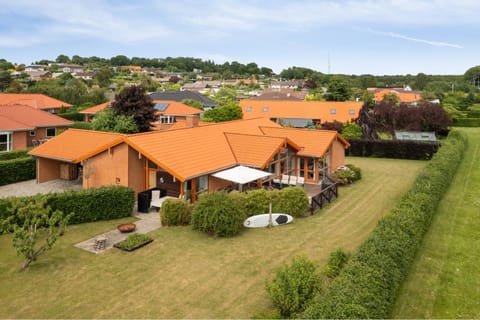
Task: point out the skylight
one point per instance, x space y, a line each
161 106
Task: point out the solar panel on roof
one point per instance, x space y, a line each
161 106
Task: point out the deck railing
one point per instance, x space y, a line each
329 193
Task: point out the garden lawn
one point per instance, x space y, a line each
187 274
445 280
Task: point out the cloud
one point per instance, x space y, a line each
429 42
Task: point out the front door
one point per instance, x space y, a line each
152 178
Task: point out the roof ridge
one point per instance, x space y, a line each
230 147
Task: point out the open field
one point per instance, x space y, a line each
186 274
445 280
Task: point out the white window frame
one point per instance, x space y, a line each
333 111
351 112
33 133
167 119
50 136
9 142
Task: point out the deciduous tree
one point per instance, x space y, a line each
133 101
108 120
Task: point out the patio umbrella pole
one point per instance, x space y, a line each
270 222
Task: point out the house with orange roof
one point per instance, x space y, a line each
34 100
301 114
22 126
172 114
405 95
186 162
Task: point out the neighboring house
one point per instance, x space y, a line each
36 67
285 84
84 75
281 94
405 95
22 126
171 114
39 75
415 136
34 100
186 162
179 96
69 67
301 113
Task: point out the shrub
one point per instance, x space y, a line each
216 214
294 286
336 262
14 154
347 174
18 169
72 116
369 282
256 201
291 200
82 125
397 149
175 212
86 205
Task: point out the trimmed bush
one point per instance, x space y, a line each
175 212
397 149
368 285
217 214
291 200
86 205
82 125
72 116
294 286
18 169
336 262
14 154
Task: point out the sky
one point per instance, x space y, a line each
346 36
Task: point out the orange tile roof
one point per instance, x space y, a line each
191 152
75 145
22 117
403 96
344 111
97 108
35 100
174 108
313 142
255 150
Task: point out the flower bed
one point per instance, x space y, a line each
133 242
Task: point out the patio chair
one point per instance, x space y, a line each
156 202
300 181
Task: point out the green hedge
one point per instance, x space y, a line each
18 169
14 154
72 116
86 205
466 122
82 125
368 285
175 212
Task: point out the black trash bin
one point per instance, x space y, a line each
144 201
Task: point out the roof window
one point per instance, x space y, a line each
333 111
265 109
249 109
351 112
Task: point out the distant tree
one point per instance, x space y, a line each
120 60
5 80
391 98
15 87
5 65
352 131
108 120
193 103
421 80
63 59
367 81
310 84
472 76
53 68
38 224
133 101
230 111
226 95
174 79
104 76
338 90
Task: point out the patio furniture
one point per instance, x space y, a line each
156 202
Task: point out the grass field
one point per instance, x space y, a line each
445 280
186 274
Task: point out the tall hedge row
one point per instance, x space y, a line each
17 169
398 149
86 205
466 122
368 285
72 116
14 154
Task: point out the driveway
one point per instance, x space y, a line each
31 187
